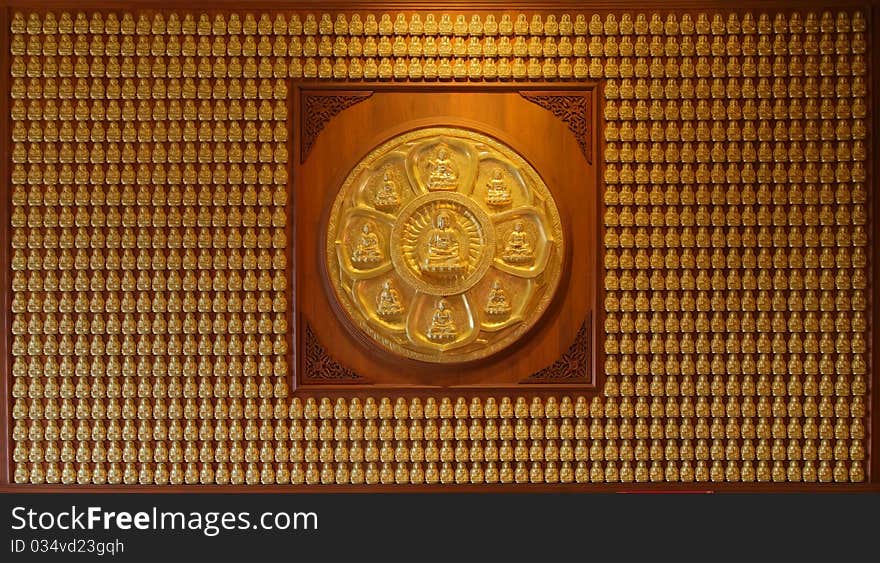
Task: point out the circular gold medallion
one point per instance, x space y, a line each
444 245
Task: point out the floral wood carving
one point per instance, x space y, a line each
573 108
318 108
572 367
319 365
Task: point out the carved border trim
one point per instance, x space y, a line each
573 108
321 366
574 364
317 109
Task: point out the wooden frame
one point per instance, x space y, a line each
310 90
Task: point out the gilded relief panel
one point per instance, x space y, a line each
444 245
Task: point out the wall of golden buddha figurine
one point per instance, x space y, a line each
149 255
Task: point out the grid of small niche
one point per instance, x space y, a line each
149 336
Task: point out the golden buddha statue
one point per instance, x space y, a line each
519 248
497 304
443 253
442 324
443 175
367 251
388 304
387 198
498 194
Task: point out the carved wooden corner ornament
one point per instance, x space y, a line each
573 108
318 108
320 366
572 367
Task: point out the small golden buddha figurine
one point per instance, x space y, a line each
442 324
519 247
443 252
498 194
387 198
497 305
367 251
388 304
442 172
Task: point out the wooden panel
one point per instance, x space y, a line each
505 115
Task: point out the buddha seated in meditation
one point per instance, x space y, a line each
443 253
497 305
442 324
367 251
519 247
388 304
497 192
442 173
387 197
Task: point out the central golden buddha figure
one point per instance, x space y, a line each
443 255
367 251
443 175
442 324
